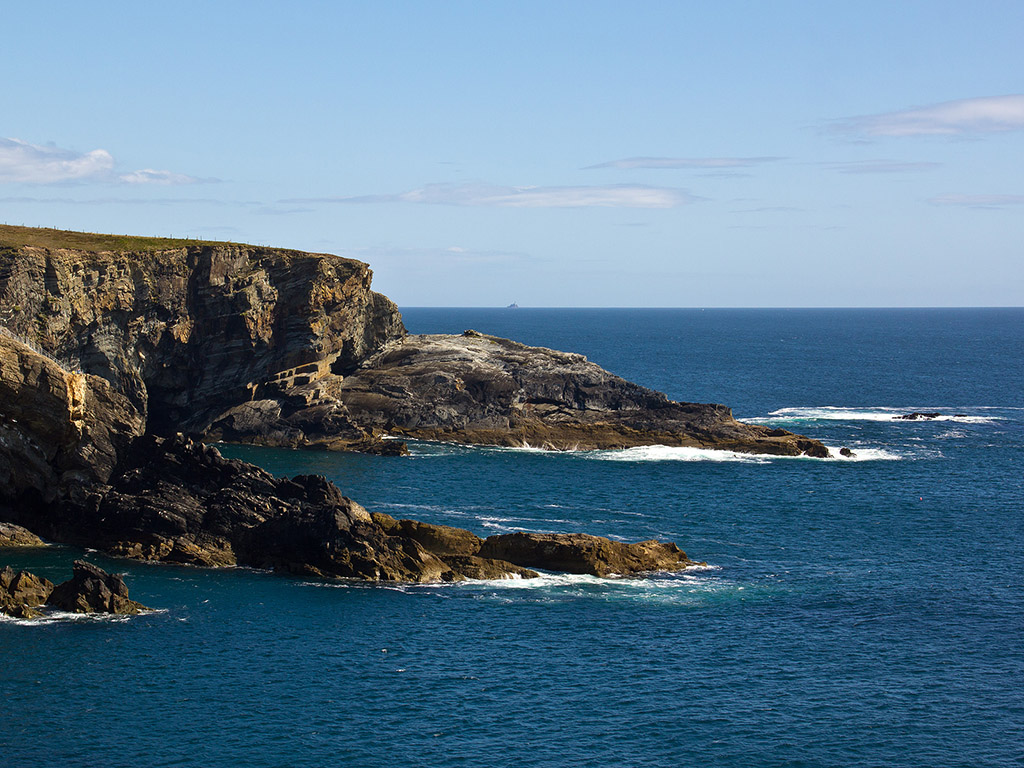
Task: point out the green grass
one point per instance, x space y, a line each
15 237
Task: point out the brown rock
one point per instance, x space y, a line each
15 536
22 592
582 553
93 590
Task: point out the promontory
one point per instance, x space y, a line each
121 356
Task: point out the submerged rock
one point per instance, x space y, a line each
93 590
919 416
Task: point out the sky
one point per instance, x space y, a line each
599 154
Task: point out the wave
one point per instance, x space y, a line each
873 413
694 584
66 617
675 453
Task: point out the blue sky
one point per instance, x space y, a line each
549 153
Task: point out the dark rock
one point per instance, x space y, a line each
581 553
22 592
847 453
918 415
486 390
93 590
483 568
15 536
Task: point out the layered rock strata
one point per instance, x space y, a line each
275 347
483 389
189 330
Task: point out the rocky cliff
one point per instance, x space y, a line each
187 330
275 347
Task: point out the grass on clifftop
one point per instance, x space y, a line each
14 237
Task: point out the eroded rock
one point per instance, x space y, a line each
92 590
22 592
582 553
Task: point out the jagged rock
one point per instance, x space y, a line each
847 453
437 539
15 536
482 389
581 553
22 592
59 431
93 590
185 329
919 416
485 568
255 345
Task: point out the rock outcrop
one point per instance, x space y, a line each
275 347
115 353
190 330
59 431
93 590
16 536
21 593
581 553
483 389
89 590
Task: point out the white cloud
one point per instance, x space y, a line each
608 196
25 163
150 176
34 164
978 201
992 114
697 163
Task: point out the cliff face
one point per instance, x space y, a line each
60 432
267 346
185 333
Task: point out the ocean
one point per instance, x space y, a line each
853 612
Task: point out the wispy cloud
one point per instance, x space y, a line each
26 163
978 201
690 163
608 196
991 114
883 166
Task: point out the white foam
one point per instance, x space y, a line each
676 453
863 454
64 617
873 413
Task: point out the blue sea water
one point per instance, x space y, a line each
854 612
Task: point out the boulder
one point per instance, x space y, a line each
22 592
92 590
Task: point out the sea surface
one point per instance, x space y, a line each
853 612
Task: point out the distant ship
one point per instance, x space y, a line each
513 305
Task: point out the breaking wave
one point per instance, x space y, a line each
876 413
